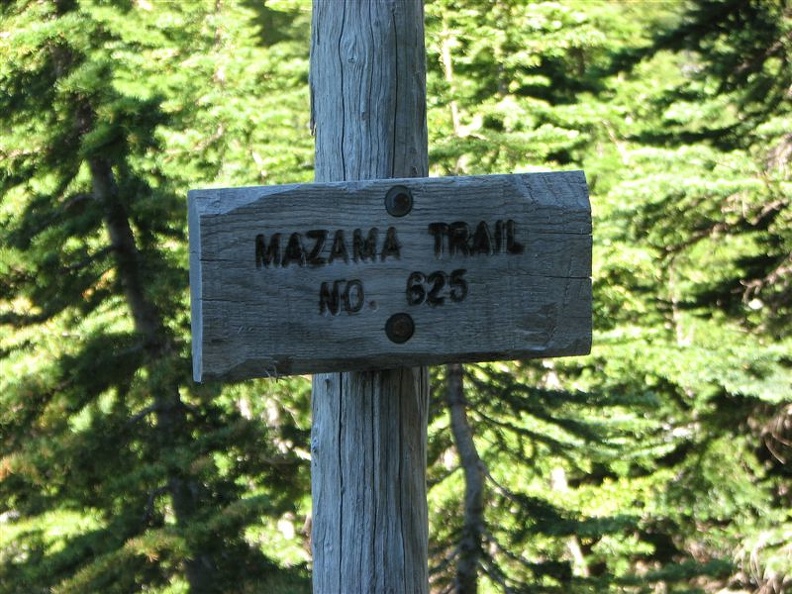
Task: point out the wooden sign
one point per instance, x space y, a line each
398 272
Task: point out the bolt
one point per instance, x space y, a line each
398 201
399 328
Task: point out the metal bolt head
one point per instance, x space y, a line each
398 201
399 328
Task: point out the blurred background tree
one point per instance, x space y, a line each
660 463
118 474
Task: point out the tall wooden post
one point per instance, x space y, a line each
368 91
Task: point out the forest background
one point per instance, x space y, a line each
662 462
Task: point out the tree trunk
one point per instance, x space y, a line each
172 427
466 580
368 90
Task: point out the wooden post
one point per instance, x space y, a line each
368 443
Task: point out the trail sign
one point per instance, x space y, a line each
388 273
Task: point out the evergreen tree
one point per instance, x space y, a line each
659 463
703 208
682 130
518 82
117 473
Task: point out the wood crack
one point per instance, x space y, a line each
395 133
342 404
342 94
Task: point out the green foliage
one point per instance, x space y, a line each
661 462
117 472
672 458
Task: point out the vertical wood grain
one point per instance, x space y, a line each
368 90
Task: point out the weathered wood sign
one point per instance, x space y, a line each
387 273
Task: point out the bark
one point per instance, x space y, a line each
368 89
